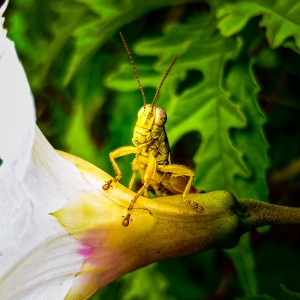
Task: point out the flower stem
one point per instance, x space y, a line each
257 213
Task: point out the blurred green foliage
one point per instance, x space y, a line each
234 86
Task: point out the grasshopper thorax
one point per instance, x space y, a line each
149 126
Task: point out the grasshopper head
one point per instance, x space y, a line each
148 116
149 126
151 119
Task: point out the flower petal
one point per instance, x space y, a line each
2 10
17 124
17 114
34 181
45 273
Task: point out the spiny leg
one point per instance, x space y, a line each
149 174
132 180
122 151
132 203
182 170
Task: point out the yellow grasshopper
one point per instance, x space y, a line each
152 153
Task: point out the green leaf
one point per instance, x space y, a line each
88 98
280 18
240 82
243 259
256 297
147 284
92 24
78 131
285 294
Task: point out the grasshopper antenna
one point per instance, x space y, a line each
163 80
134 68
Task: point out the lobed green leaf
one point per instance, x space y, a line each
279 18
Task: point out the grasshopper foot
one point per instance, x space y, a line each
125 222
194 205
197 207
107 185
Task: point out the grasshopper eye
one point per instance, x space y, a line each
160 117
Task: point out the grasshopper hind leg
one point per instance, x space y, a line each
180 181
193 204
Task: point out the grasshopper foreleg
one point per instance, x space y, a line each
122 151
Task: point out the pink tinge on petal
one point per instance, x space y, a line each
103 262
85 250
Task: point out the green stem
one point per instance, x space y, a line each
257 213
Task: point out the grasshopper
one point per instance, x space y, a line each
152 153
